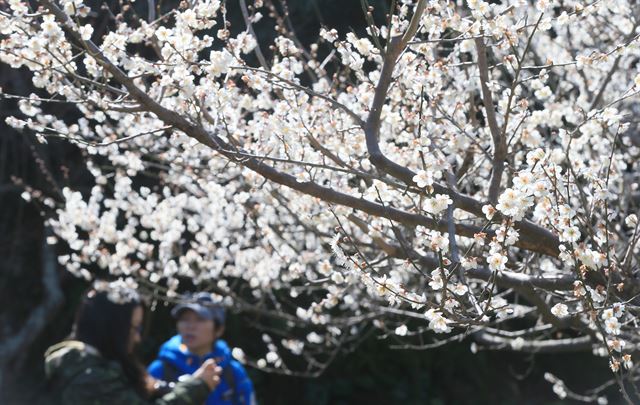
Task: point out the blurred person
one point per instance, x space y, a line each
98 366
200 323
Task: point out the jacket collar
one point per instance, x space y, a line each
177 352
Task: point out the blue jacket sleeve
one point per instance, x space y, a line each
156 369
244 386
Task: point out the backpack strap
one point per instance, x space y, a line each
169 371
230 379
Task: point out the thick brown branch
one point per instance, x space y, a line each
372 126
532 235
499 141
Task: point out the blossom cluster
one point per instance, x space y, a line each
483 172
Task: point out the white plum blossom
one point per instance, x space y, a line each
85 32
469 262
238 354
513 203
314 338
295 346
617 344
438 242
436 279
631 220
497 262
423 178
330 35
612 325
570 234
401 330
618 309
437 322
488 211
460 289
337 278
560 310
437 204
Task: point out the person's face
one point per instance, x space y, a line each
197 333
135 335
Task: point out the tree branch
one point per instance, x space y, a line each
578 344
499 141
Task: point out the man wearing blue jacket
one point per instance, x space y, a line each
200 323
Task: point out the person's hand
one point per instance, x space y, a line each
209 372
150 383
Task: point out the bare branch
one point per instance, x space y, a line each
499 139
578 344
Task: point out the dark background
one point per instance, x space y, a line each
373 373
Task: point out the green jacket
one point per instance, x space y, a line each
78 375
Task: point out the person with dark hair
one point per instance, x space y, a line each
200 324
97 365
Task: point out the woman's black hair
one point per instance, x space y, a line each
105 324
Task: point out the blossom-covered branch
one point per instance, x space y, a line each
459 166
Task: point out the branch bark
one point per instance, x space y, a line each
499 140
249 24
